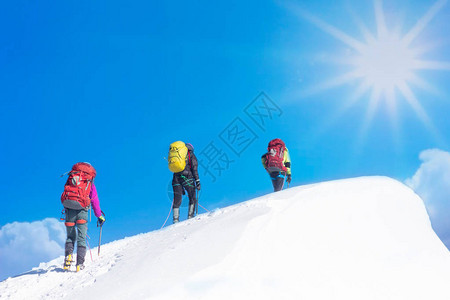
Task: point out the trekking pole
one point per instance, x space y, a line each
196 202
99 240
100 235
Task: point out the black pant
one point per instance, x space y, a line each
179 184
277 180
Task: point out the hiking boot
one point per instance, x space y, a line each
176 215
80 267
68 262
191 212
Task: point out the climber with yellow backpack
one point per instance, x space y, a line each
184 165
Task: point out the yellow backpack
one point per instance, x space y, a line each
177 156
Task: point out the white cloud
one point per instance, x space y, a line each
432 183
25 245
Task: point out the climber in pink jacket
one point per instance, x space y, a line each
79 195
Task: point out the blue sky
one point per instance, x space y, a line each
114 83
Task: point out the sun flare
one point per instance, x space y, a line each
383 63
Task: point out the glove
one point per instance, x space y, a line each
197 184
288 178
100 220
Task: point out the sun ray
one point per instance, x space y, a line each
392 104
368 36
362 88
431 65
424 48
330 121
371 110
392 108
332 83
423 22
333 31
380 20
367 120
421 113
416 106
424 85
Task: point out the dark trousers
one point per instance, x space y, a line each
180 184
277 180
76 226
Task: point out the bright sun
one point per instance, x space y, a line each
383 63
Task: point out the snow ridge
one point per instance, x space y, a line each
360 238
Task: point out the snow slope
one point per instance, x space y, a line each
361 238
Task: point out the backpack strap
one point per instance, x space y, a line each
189 159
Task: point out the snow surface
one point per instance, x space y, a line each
362 238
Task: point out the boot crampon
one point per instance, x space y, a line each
68 262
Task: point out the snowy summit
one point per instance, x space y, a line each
362 238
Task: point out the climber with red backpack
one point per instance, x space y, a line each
184 165
78 196
277 163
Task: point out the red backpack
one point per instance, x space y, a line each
78 186
275 156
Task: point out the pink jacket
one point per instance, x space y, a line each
94 201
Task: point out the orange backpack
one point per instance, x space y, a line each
78 186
